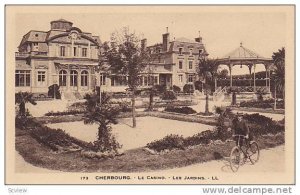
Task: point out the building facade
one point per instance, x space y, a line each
68 57
172 63
64 55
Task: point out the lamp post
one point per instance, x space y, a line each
273 69
54 87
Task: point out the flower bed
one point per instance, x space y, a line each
56 139
71 112
259 125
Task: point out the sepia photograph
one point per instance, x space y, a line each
149 94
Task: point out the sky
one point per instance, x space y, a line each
262 31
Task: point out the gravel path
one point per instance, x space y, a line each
271 160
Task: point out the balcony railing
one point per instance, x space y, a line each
26 54
21 54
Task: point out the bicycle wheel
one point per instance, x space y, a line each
253 152
235 159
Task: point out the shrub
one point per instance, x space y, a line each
54 90
200 138
169 142
124 107
169 95
160 88
188 88
176 89
78 106
182 110
198 85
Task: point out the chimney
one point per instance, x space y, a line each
166 40
143 44
199 39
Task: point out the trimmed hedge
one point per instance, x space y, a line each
269 103
182 110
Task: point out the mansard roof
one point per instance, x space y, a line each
45 36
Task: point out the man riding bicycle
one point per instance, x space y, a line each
240 127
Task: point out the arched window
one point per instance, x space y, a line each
63 78
84 78
73 78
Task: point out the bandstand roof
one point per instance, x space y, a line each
242 55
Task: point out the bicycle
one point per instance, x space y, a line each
238 156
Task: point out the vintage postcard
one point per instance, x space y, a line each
189 94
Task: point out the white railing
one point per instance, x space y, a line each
219 93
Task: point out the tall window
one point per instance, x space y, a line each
84 52
190 64
146 81
41 77
180 64
180 78
102 79
22 78
74 51
190 78
63 78
62 51
155 80
84 78
180 51
73 78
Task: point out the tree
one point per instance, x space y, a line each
103 114
21 98
125 56
279 70
207 71
223 73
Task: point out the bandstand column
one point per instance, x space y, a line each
254 84
266 76
269 80
230 69
68 78
250 67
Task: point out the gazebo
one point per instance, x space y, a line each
245 57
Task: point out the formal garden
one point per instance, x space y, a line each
143 129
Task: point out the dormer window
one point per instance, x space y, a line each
180 51
200 51
191 51
35 47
